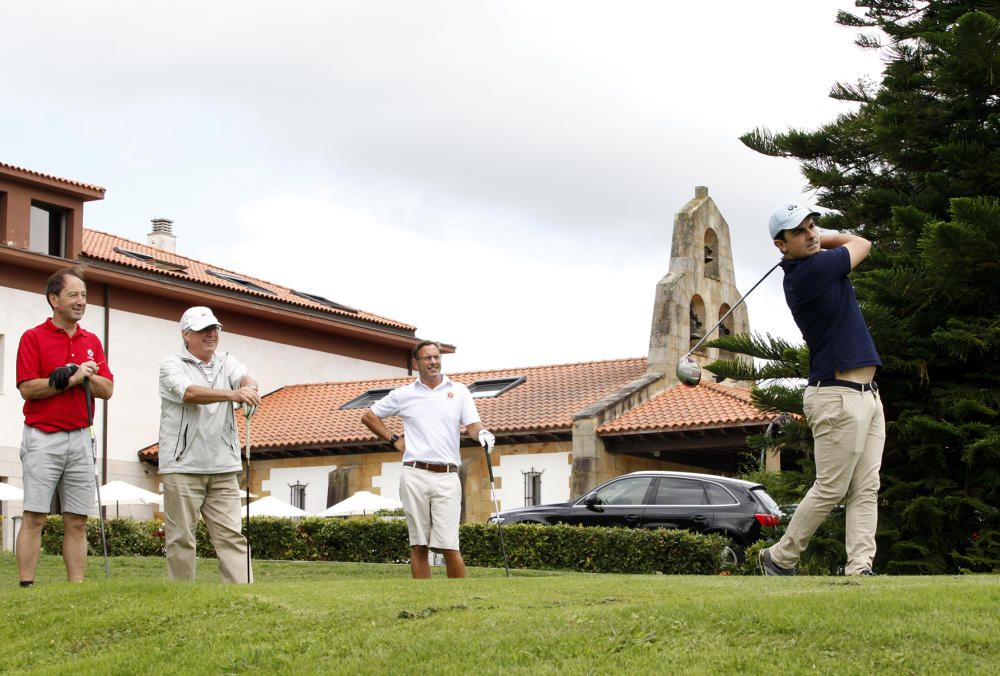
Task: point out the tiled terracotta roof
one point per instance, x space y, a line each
683 407
310 415
101 246
50 177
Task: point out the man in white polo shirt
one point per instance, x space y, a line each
433 409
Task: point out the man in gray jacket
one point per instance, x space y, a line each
200 448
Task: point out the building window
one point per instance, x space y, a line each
47 230
532 487
145 258
324 301
152 260
494 387
236 279
711 254
298 494
366 399
696 322
726 327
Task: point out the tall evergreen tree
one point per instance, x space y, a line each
918 163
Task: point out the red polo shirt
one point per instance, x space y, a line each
45 348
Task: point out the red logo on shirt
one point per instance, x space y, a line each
451 395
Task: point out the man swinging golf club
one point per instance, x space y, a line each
54 360
841 400
433 408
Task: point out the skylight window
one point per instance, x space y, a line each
323 301
145 258
366 399
494 387
173 267
229 277
152 260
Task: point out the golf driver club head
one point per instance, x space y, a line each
688 371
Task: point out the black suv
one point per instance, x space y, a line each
701 503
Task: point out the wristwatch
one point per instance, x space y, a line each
392 441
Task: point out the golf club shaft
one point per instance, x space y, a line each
248 496
731 310
97 478
496 505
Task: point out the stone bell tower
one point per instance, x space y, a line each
698 289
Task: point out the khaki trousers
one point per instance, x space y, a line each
216 498
849 433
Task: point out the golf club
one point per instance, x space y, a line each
249 411
97 479
688 371
496 504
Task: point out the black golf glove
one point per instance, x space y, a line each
59 378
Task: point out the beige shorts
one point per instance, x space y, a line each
433 505
58 463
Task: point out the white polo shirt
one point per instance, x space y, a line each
431 418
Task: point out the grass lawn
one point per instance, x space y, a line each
372 619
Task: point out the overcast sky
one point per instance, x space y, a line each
502 175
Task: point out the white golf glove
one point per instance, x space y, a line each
487 440
249 410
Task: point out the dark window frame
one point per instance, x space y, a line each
324 301
481 389
241 281
367 399
297 494
532 487
58 228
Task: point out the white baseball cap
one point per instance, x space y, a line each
788 216
198 318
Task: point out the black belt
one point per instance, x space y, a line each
833 382
431 466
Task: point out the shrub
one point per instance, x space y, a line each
377 540
593 550
126 537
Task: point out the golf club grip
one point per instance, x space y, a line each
90 399
489 463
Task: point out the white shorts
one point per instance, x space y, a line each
433 505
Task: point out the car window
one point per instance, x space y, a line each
628 491
680 492
717 495
765 500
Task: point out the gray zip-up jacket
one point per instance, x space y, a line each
198 438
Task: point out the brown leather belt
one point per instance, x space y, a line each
431 466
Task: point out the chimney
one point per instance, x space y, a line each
162 237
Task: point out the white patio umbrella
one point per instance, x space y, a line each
124 493
9 492
360 504
272 506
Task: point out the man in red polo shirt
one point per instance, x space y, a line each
54 360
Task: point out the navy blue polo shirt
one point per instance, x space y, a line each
824 307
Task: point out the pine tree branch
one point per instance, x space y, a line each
759 346
777 399
763 141
845 92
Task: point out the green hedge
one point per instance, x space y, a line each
372 540
126 537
